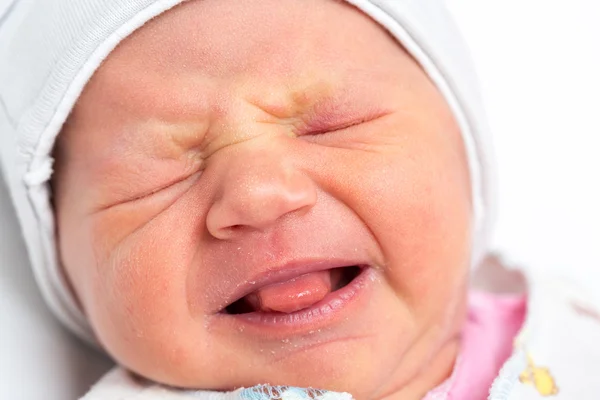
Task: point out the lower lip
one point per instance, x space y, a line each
333 307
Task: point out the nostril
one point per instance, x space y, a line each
232 231
221 222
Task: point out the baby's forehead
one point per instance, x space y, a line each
273 52
236 31
279 38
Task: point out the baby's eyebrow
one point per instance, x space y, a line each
170 139
323 104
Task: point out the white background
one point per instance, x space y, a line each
539 62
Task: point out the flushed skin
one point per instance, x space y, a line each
226 139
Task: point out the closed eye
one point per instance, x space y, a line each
339 127
319 128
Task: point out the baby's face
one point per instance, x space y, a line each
267 191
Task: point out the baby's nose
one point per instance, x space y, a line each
255 191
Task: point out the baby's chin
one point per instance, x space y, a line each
370 345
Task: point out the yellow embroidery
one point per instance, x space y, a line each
538 377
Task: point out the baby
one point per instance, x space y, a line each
283 193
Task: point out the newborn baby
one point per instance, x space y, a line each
283 193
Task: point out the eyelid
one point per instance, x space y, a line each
334 128
321 125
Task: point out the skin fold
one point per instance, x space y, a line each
228 137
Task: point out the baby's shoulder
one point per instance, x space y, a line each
560 338
557 350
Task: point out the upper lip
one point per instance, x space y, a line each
284 273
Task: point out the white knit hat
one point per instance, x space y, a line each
49 49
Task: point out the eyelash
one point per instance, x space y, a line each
336 128
333 127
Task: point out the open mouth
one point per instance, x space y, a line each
296 294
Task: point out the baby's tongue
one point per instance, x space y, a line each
292 295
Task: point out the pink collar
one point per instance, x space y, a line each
487 341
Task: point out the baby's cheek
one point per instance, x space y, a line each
433 245
416 201
139 308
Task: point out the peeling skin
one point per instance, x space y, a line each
196 160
